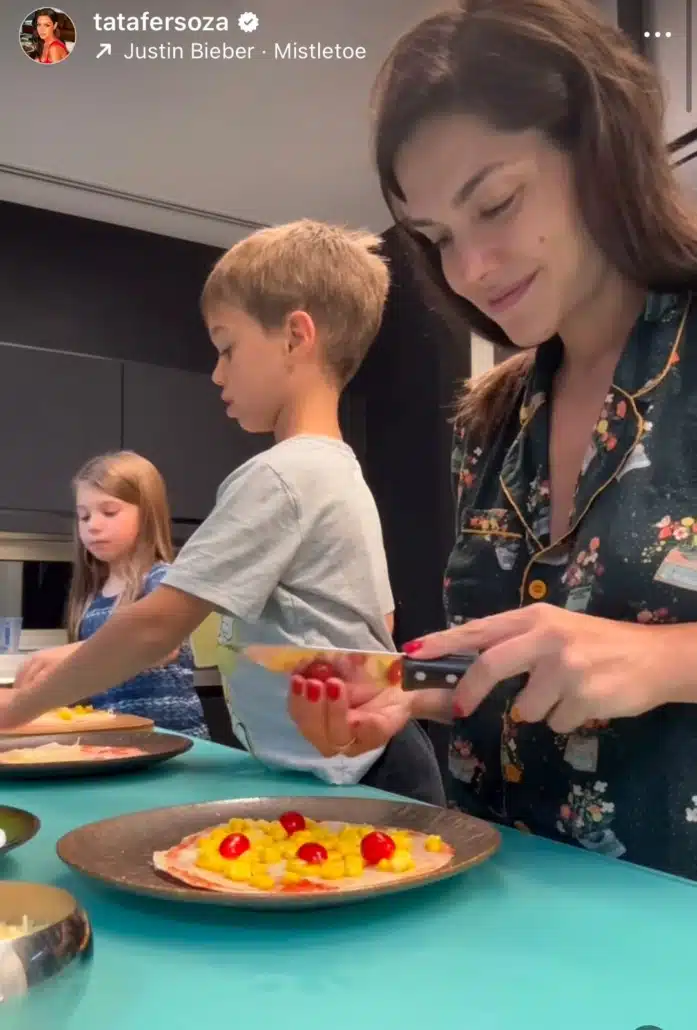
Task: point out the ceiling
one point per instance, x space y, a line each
262 140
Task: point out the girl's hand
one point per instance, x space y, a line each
347 716
580 667
42 664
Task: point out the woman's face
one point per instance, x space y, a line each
502 210
44 26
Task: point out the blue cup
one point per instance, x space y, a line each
10 632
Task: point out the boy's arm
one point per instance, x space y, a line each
152 581
136 637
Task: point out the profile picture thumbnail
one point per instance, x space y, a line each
47 35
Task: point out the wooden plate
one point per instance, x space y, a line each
18 826
98 722
156 747
118 852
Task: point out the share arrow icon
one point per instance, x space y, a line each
105 48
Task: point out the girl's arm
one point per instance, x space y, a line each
135 638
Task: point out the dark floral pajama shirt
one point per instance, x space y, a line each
627 787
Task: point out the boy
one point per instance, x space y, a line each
293 550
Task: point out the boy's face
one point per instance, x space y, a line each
252 369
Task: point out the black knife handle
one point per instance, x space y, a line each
436 672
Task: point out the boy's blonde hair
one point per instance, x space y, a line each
132 478
334 274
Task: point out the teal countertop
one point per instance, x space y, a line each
542 937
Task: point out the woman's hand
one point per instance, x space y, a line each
580 667
39 666
347 716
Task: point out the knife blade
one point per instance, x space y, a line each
386 667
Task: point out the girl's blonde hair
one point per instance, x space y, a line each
131 478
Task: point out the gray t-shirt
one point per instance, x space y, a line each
292 553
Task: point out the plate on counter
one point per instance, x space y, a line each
16 828
126 852
78 719
87 754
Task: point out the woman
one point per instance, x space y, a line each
49 48
519 143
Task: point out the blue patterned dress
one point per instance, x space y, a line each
166 694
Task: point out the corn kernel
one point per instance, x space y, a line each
214 863
289 878
334 855
385 865
262 824
363 831
236 825
354 865
402 840
218 836
64 713
332 870
296 865
302 838
310 824
240 872
401 862
272 855
349 849
263 882
433 843
276 831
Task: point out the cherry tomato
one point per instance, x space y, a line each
376 846
320 670
393 674
313 854
234 845
292 822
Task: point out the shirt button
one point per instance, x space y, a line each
537 589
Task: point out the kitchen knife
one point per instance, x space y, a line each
384 666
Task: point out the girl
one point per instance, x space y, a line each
520 146
49 48
123 551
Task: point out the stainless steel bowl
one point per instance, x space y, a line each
61 942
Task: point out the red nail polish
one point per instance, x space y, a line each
412 646
297 685
458 711
314 690
333 689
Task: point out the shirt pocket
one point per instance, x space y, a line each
483 573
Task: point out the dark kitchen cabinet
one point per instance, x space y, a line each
176 419
57 410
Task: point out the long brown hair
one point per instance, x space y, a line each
131 478
46 12
555 66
